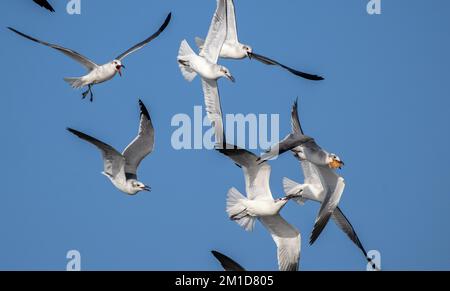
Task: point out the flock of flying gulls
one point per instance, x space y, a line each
322 183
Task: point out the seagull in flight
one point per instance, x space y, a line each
45 4
227 263
205 64
233 49
319 167
96 73
304 147
260 204
121 168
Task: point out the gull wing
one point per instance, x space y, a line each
267 61
287 238
141 146
213 107
227 263
257 175
87 63
232 34
217 33
146 41
113 161
44 4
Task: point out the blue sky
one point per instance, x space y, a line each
384 108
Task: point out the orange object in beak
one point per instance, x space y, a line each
335 164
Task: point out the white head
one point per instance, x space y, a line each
137 186
118 66
226 73
248 50
334 162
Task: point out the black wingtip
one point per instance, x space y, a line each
144 110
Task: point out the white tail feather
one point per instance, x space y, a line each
75 82
237 210
292 188
184 54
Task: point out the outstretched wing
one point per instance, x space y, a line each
257 175
146 41
141 146
232 34
87 63
217 33
213 107
290 142
287 239
267 61
295 120
45 4
335 187
227 263
113 161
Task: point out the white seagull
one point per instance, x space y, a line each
44 4
227 263
318 166
233 49
206 66
259 204
121 169
96 73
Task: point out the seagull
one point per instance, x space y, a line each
121 169
260 204
319 168
313 190
304 147
227 263
45 4
205 64
233 49
96 73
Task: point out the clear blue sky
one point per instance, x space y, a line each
384 108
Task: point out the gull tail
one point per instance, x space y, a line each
293 188
237 211
200 43
184 54
75 82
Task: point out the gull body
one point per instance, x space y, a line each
205 65
96 74
260 205
233 49
121 168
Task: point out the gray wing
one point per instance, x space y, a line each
287 238
257 175
141 146
114 162
311 174
289 143
232 34
227 263
267 61
45 4
217 33
146 41
335 187
295 121
344 224
213 107
87 63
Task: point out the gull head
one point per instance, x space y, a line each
334 162
226 73
118 66
248 50
137 186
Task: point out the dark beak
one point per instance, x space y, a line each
231 78
249 55
147 188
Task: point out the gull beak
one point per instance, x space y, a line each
231 78
119 69
249 55
147 189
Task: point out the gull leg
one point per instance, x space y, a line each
84 94
92 94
